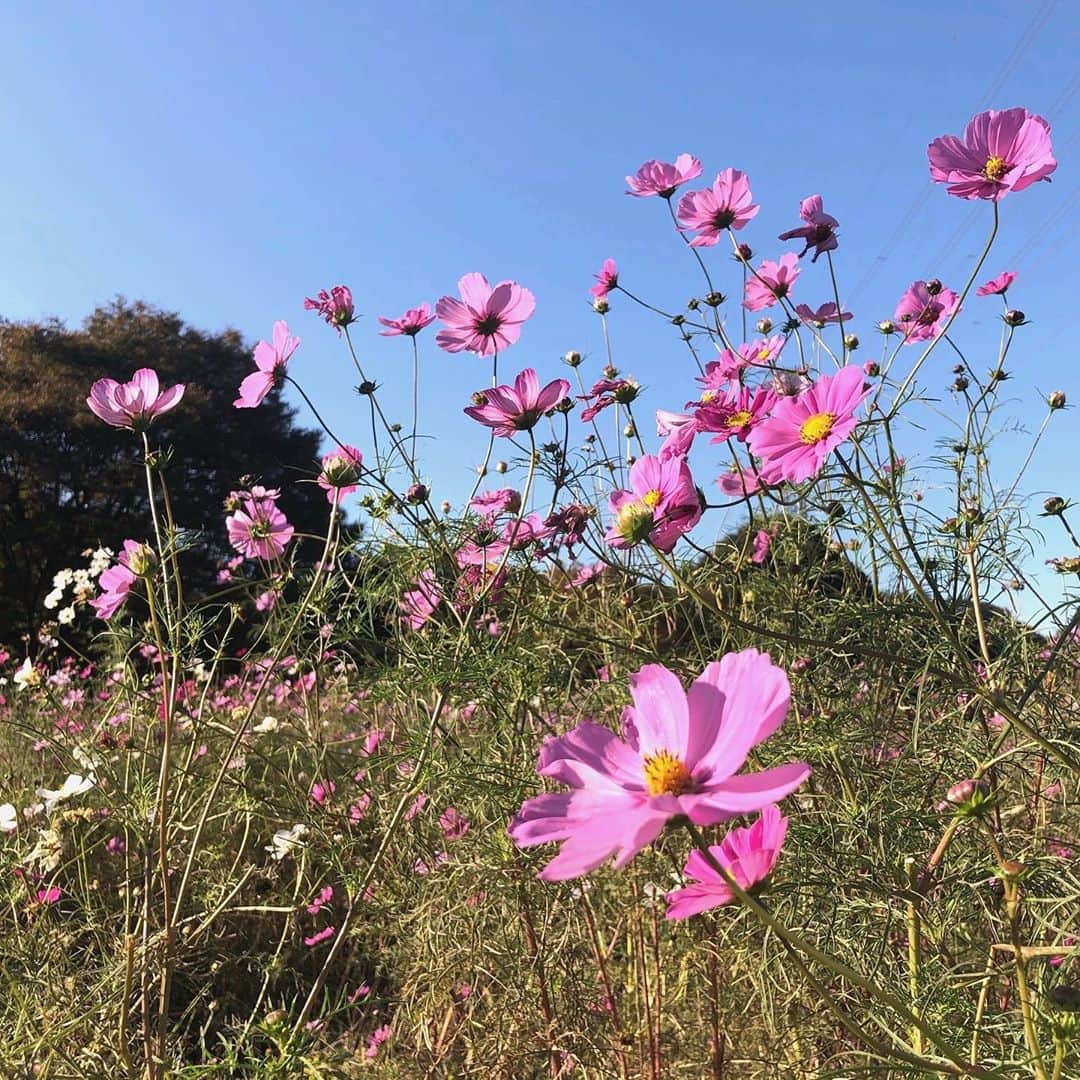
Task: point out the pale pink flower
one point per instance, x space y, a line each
606 280
490 504
410 324
340 472
762 544
135 404
997 286
772 282
258 529
802 431
335 306
421 602
825 314
662 504
739 483
728 204
680 757
508 410
376 1039
271 361
999 152
922 314
485 320
117 582
819 230
454 825
660 178
748 855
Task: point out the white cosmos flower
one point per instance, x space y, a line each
9 818
72 786
26 675
285 841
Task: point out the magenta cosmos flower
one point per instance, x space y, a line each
772 282
335 306
660 178
117 582
410 324
924 310
748 855
827 313
258 529
606 280
728 204
340 472
1000 152
819 232
661 505
271 361
135 404
485 320
510 409
997 286
679 757
421 602
802 431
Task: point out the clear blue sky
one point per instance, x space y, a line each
224 160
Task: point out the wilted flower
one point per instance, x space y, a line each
819 230
335 306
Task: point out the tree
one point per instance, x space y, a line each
69 482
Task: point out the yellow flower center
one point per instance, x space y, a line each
652 498
739 419
763 354
995 168
707 397
816 428
665 774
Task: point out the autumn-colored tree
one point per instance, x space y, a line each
69 482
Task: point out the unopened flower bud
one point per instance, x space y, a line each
601 306
626 393
934 286
417 493
960 384
367 388
142 561
501 467
851 342
1056 399
743 253
1064 997
764 326
693 304
479 399
340 469
565 406
629 431
678 320
836 510
1012 868
998 375
1054 506
886 326
444 506
872 368
572 358
1014 317
965 791
481 470
790 326
610 371
715 299
395 428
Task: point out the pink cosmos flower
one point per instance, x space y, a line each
679 756
258 529
319 937
117 582
728 204
660 178
510 409
454 825
762 544
819 232
606 392
410 324
335 306
422 601
606 280
772 282
490 504
340 472
824 314
50 895
661 505
997 286
485 320
1000 152
802 431
737 413
376 1039
271 361
135 404
748 855
922 314
678 431
740 483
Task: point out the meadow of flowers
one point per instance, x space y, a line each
549 783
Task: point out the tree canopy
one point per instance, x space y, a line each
69 481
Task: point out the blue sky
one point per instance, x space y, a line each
224 160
